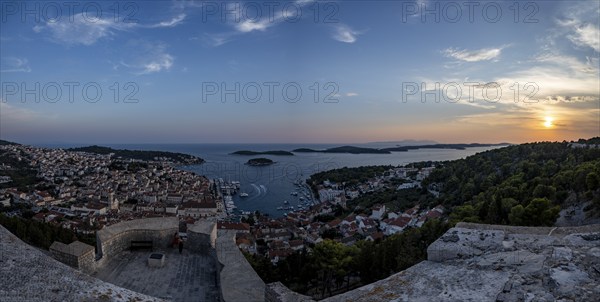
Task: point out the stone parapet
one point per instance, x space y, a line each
277 292
239 282
77 255
202 236
114 239
477 262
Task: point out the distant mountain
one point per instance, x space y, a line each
443 146
405 142
345 149
246 152
141 155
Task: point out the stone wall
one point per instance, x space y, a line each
114 239
277 292
201 237
77 255
87 262
468 240
66 258
239 282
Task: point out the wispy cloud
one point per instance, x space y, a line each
484 54
586 35
83 30
214 39
580 25
351 94
344 33
250 25
158 63
247 25
170 23
14 64
569 62
146 58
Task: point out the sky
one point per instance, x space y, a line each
299 71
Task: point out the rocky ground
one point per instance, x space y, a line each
575 214
474 262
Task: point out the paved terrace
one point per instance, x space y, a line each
186 277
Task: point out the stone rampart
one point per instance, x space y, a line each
114 239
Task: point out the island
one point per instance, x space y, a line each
247 152
261 161
178 158
345 149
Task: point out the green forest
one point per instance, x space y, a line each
524 184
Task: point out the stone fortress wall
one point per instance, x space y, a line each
202 237
236 279
77 255
115 239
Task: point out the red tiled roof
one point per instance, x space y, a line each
400 221
233 226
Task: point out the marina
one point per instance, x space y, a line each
231 193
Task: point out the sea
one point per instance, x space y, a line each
269 187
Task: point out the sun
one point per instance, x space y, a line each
548 122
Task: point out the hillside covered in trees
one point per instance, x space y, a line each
524 184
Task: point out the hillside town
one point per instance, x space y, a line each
86 192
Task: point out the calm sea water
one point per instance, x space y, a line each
269 186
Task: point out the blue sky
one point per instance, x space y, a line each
370 61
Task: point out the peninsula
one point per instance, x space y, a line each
178 158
